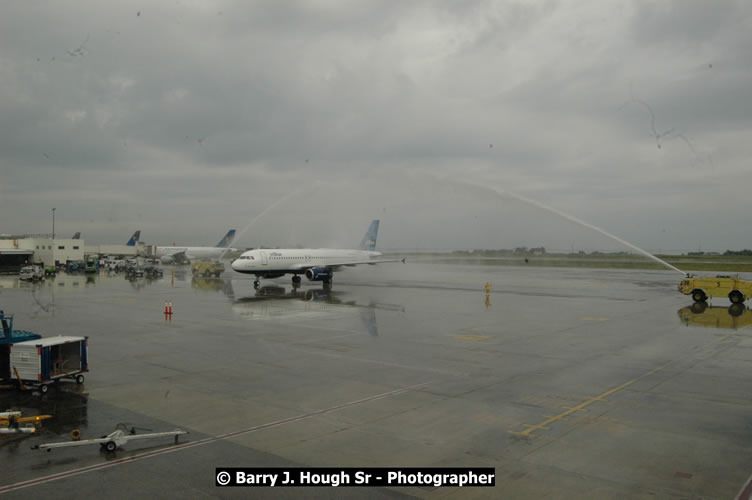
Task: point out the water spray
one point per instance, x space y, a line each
582 223
263 212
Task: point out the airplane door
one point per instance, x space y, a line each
264 261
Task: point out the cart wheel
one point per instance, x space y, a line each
75 434
79 378
110 446
44 388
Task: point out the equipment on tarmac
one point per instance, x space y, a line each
112 441
10 422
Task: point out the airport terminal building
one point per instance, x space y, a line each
22 249
19 250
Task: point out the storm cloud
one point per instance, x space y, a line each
185 118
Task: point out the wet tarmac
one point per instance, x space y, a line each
572 383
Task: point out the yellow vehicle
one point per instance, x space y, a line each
206 268
702 288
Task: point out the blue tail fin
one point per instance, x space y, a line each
369 240
225 242
76 236
134 239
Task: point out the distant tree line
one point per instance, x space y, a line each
746 252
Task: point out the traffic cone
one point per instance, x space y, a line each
169 309
165 308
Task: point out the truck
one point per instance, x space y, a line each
704 287
46 360
207 268
31 273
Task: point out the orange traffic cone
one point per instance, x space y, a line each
169 309
165 308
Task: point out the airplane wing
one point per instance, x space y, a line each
353 263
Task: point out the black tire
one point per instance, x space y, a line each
110 446
698 296
44 388
216 275
80 378
736 297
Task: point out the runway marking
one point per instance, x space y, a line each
183 446
532 428
591 318
543 425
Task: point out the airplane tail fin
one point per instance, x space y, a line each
225 242
77 236
369 239
134 239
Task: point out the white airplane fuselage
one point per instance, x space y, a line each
273 263
193 252
316 264
278 262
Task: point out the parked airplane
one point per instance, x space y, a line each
134 239
76 236
176 254
317 264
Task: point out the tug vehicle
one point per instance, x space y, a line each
206 268
704 287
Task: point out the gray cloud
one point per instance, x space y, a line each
194 117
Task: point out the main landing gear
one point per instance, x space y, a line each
296 280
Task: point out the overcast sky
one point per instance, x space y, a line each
307 119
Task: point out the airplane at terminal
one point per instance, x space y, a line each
317 264
134 239
174 254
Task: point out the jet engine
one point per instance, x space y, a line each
318 274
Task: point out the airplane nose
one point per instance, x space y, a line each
235 264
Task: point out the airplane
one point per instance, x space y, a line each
317 264
134 239
174 254
76 236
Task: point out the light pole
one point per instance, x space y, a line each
53 224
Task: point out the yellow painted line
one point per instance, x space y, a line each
532 428
474 338
591 318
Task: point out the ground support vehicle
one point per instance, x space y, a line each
8 338
704 287
112 441
206 268
40 362
31 273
